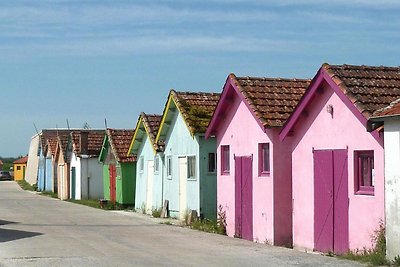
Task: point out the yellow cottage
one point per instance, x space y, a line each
19 168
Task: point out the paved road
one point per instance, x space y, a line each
40 231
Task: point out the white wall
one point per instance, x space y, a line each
392 186
33 161
76 162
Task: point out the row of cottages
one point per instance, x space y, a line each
175 162
119 168
297 163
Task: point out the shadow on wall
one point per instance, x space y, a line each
7 235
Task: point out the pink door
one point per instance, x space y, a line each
243 198
331 215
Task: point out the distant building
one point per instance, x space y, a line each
19 168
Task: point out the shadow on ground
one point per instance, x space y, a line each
7 235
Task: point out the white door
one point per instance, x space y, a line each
182 187
149 191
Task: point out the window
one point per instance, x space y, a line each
212 162
263 159
18 168
156 164
141 164
169 167
364 172
191 167
225 160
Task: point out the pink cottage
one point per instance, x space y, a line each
337 165
254 167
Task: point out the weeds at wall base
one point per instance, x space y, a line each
375 256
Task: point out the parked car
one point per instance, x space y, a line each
5 176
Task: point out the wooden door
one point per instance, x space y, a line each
182 187
244 198
331 201
113 190
149 191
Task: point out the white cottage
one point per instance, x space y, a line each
390 118
148 171
86 172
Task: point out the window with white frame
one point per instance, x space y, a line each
156 164
191 167
169 166
141 164
212 162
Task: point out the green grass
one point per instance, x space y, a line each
26 186
208 226
156 213
94 203
49 194
375 256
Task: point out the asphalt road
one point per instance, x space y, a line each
40 231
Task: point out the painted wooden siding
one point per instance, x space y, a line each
180 143
106 182
33 161
147 152
319 130
392 186
126 183
208 181
49 174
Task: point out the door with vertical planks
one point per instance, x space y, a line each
331 226
149 189
113 175
244 198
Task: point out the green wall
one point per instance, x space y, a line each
126 183
106 182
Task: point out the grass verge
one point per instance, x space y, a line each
49 194
26 186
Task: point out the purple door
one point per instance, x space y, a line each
243 198
331 226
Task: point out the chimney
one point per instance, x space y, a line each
84 142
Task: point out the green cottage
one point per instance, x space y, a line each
119 169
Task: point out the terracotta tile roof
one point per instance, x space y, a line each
22 160
94 141
196 108
62 140
370 88
52 145
47 134
392 110
152 124
271 99
120 140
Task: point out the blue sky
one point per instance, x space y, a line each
90 60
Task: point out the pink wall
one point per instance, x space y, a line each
319 130
241 131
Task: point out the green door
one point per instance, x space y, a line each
73 182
